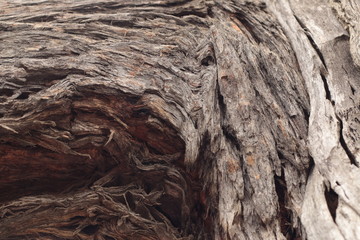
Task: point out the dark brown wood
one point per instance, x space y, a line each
179 119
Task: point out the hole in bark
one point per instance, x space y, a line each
210 12
230 135
6 92
221 102
35 89
24 95
76 219
352 90
36 77
142 112
262 5
187 13
209 60
332 200
35 170
310 168
90 229
306 114
109 238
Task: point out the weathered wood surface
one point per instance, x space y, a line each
179 119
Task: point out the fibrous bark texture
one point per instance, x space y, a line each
179 119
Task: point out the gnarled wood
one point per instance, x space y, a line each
179 119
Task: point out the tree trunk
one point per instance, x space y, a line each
179 119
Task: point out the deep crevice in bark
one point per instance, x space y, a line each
205 209
310 168
220 101
177 201
332 201
226 129
230 135
327 90
342 141
311 40
285 214
352 90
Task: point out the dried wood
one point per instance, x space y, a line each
179 119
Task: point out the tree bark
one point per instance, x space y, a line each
179 119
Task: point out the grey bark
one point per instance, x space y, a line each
179 119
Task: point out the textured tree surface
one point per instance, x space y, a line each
179 119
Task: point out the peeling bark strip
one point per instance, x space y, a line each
179 119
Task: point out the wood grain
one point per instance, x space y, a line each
179 119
